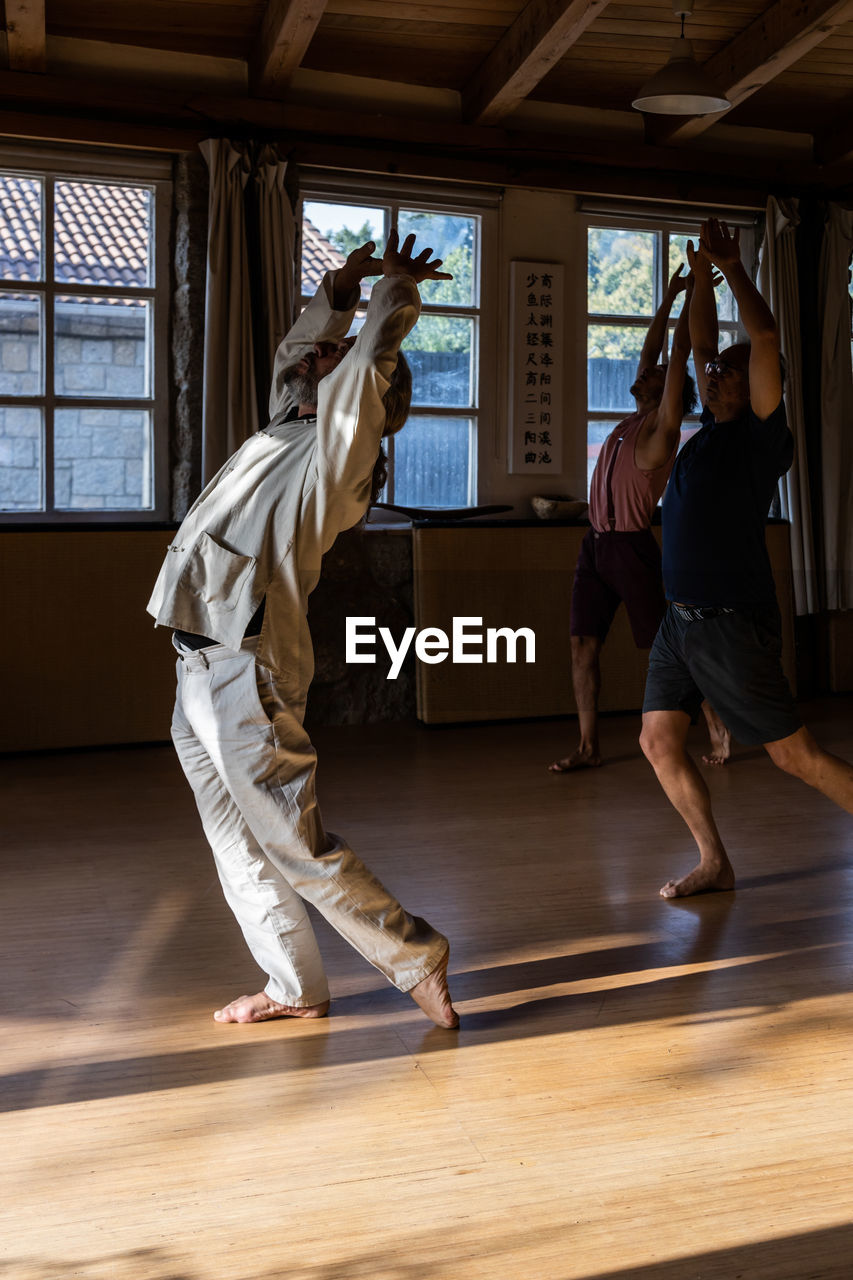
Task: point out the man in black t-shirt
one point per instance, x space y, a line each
721 636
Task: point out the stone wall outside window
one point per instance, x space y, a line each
102 453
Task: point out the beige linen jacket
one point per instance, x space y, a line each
261 526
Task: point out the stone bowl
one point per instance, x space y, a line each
559 508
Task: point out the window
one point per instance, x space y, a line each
850 301
432 462
628 267
83 331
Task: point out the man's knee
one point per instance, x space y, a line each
653 741
585 650
663 734
796 754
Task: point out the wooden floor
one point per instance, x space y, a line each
639 1088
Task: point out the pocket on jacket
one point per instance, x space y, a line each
216 574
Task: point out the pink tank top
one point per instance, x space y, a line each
634 493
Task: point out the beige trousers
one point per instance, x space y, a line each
251 766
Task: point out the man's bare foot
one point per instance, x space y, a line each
432 995
706 878
261 1008
580 759
721 738
721 746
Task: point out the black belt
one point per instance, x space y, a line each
195 642
697 613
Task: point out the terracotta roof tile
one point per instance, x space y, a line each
101 235
318 256
101 232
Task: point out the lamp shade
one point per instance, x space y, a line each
681 88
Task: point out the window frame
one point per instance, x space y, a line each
104 168
684 222
332 188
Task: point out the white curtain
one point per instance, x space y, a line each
229 409
777 280
837 408
277 234
230 395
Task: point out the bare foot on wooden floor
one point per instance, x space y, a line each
580 759
433 996
261 1008
706 878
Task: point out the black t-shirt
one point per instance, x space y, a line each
715 509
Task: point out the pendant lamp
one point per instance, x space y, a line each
682 87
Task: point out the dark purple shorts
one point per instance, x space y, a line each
616 567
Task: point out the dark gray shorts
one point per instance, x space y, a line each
733 660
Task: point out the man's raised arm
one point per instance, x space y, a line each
326 318
720 247
352 412
704 326
653 345
655 447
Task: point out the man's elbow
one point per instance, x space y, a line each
764 333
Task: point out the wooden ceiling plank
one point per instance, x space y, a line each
287 29
25 35
539 37
774 41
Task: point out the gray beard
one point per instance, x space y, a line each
302 386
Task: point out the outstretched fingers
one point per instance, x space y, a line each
401 259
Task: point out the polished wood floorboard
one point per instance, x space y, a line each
639 1088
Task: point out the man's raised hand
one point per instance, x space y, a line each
359 264
399 260
677 282
718 244
696 260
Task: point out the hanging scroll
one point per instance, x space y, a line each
536 368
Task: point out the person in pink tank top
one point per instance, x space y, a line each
619 559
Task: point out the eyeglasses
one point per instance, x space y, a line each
721 369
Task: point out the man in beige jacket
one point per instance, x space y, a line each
234 587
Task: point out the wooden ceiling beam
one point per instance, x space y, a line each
61 94
26 39
540 35
52 107
774 41
287 30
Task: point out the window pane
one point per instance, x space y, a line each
678 258
20 228
621 270
102 234
726 306
102 347
439 351
453 239
102 459
431 462
613 353
596 434
21 437
330 232
20 344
